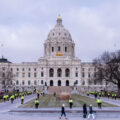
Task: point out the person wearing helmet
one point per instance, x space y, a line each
63 111
91 112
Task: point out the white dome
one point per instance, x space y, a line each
59 33
59 42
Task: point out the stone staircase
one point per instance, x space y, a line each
59 89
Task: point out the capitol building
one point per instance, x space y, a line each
58 67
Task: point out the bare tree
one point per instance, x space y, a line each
6 77
108 68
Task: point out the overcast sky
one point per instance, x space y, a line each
24 25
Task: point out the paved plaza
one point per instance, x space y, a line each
10 111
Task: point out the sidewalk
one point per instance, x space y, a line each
110 100
7 106
68 110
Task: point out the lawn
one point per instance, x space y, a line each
51 101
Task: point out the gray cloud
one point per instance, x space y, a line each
25 24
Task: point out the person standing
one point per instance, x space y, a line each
91 112
38 94
95 95
84 111
36 103
99 102
22 99
4 98
12 98
63 112
70 103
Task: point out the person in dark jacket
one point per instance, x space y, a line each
84 111
63 111
91 112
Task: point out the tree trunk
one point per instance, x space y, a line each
119 89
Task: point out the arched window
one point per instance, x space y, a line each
29 82
51 72
59 72
65 49
59 82
52 49
51 82
67 82
67 73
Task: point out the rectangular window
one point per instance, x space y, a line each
95 74
29 69
76 74
42 74
29 75
29 82
83 69
35 75
23 75
23 69
41 82
83 74
88 69
17 74
89 75
23 82
3 68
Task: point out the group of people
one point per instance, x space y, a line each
113 95
36 101
12 97
91 111
85 112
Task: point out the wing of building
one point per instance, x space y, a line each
58 67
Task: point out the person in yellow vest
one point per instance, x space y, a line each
12 98
108 95
112 95
99 94
88 93
70 103
99 102
7 97
4 98
22 99
36 102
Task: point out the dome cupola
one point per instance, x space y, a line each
59 42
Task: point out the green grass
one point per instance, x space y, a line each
1 100
51 101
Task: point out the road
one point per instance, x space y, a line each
6 115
